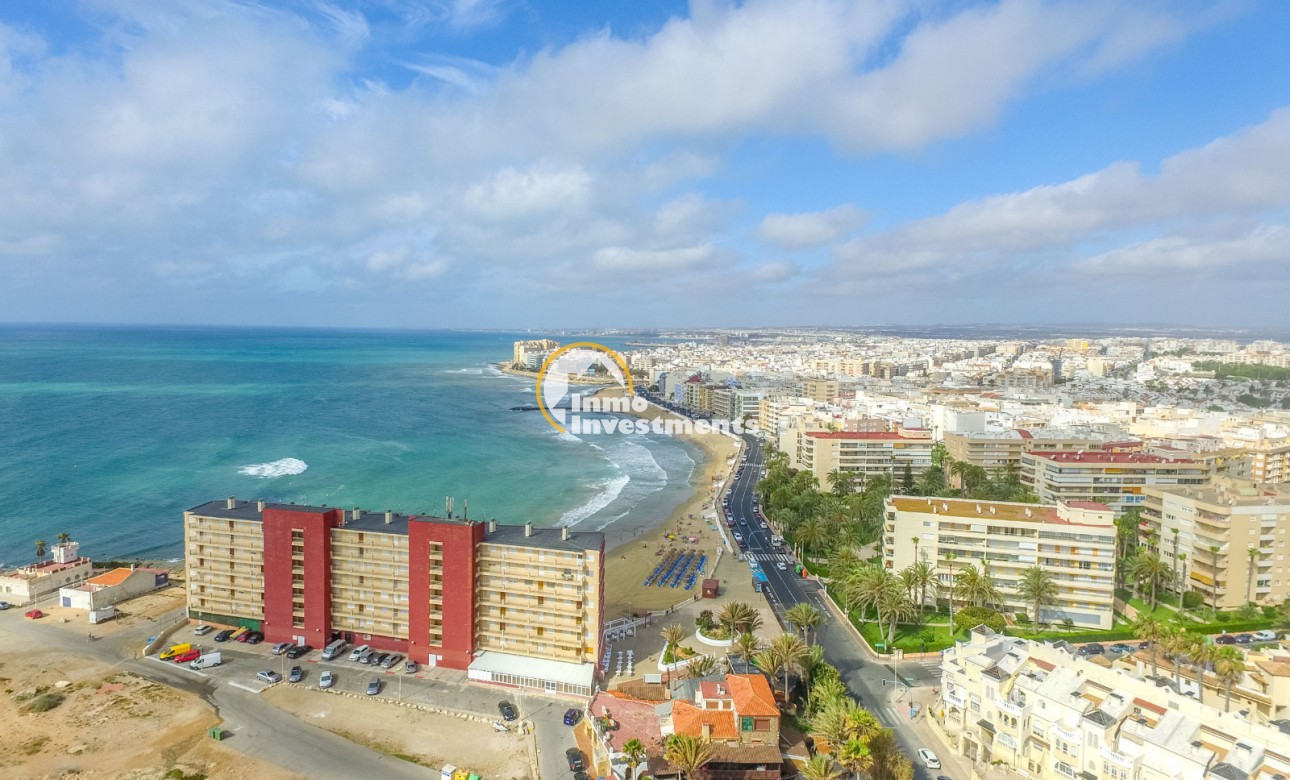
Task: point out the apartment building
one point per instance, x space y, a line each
996 451
39 581
513 604
824 391
1075 543
1116 479
525 353
732 403
1050 714
1227 541
865 453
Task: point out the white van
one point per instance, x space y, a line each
206 661
334 649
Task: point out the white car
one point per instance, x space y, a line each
929 759
781 566
1265 636
359 651
327 680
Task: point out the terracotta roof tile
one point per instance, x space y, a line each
752 695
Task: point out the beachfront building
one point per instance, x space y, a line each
113 587
1116 479
1075 543
532 354
866 453
733 403
1226 541
513 604
1046 711
998 451
38 581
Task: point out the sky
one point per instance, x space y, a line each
526 164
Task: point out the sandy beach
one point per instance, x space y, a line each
630 562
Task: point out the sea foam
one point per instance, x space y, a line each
285 467
609 490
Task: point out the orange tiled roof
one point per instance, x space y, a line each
114 577
689 719
752 695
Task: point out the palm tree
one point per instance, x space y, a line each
788 650
1176 642
702 666
949 591
41 544
634 750
895 605
919 575
812 663
739 618
854 755
1201 655
747 645
805 617
1229 667
64 538
1174 584
975 587
1249 581
1148 569
672 635
1149 629
821 767
687 753
811 534
842 481
1038 588
826 690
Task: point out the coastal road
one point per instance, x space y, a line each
869 680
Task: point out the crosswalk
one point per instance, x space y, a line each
891 716
785 557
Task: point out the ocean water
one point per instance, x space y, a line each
109 434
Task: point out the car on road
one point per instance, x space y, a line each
1265 635
411 667
297 651
508 710
576 762
34 614
224 635
5 605
762 524
269 676
1244 639
296 675
327 679
1122 648
359 651
374 687
392 661
202 630
1092 648
571 716
1225 639
781 566
281 648
188 657
929 758
739 537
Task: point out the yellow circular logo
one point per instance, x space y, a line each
583 362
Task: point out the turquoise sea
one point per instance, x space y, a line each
109 434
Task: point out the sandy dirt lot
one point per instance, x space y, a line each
105 724
430 739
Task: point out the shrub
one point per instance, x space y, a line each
1192 600
1271 613
44 702
975 616
1248 612
1022 618
1222 617
704 621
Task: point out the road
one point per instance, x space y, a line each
869 680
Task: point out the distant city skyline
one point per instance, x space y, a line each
498 164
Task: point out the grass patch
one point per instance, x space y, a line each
44 702
910 637
33 746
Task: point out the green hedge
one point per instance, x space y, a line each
1117 634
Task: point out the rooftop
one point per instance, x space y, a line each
1095 457
991 510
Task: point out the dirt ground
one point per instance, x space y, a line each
108 724
432 740
131 614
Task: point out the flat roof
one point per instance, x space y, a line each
540 668
1003 510
1101 456
546 538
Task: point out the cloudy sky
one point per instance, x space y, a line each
532 163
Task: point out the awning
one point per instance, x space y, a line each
540 668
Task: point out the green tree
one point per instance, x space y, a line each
634 750
921 575
842 482
702 666
821 767
747 645
907 480
1148 570
687 753
805 617
1253 553
854 756
1148 628
41 546
1038 588
788 651
975 587
64 538
1229 668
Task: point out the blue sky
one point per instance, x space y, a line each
474 163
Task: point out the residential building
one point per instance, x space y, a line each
38 581
1075 543
513 604
1227 541
997 451
526 351
823 391
1046 711
867 454
113 587
1116 479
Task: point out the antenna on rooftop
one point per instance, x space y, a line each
447 502
465 508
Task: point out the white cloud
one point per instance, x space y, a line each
631 260
1262 250
800 231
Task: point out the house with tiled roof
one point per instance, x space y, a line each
113 587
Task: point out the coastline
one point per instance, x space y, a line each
508 368
628 561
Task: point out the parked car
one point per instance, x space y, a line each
224 635
188 657
269 676
1225 639
374 687
508 710
254 638
34 614
929 759
1122 648
378 658
571 716
1092 648
327 679
281 648
1266 635
202 630
5 605
411 667
358 651
392 661
1244 639
296 675
244 637
297 651
576 762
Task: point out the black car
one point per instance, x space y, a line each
1093 648
297 674
297 651
576 763
508 710
254 638
224 635
1225 639
571 716
1244 639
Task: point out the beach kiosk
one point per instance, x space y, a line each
710 586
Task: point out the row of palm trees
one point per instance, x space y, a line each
1225 662
42 546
